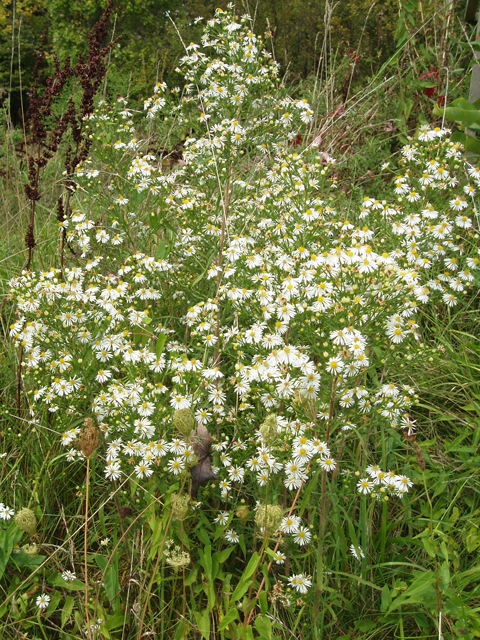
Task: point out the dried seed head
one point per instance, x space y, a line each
88 438
277 594
184 421
268 429
26 521
268 518
180 504
125 511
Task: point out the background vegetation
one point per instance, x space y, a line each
372 72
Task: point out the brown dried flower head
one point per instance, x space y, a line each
88 438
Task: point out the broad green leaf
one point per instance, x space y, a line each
222 556
386 600
110 577
8 539
444 574
465 116
264 626
251 566
203 623
229 617
365 625
429 547
202 535
206 561
421 587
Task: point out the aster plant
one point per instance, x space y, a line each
237 290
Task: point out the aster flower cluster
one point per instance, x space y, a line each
259 301
383 480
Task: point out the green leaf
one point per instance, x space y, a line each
364 625
264 626
161 250
8 539
251 566
202 275
465 116
444 574
53 605
202 535
240 590
227 619
420 590
421 619
4 608
241 542
67 610
110 577
192 576
162 338
203 623
386 599
222 556
425 84
463 103
113 622
263 602
182 631
472 144
245 583
429 547
206 561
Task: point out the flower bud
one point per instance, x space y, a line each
242 512
184 421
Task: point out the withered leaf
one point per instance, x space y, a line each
202 472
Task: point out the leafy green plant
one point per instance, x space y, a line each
466 116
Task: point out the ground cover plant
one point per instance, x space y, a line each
220 359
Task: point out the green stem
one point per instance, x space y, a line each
363 529
383 532
402 634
